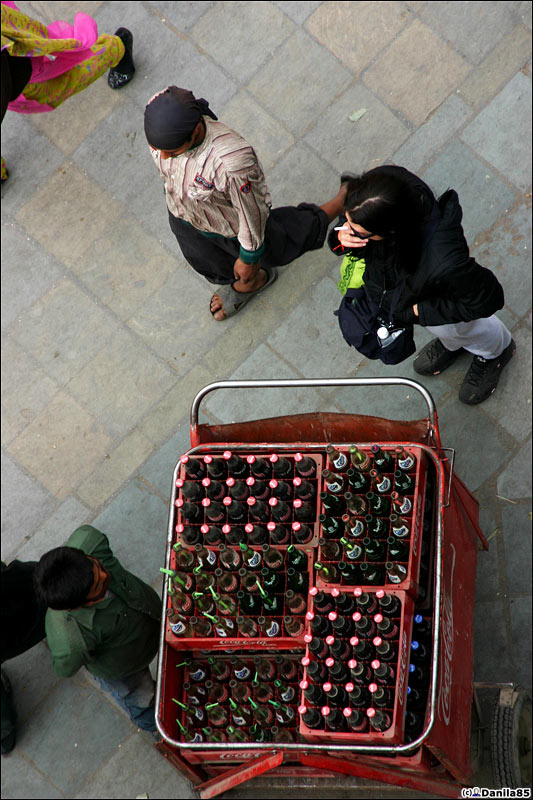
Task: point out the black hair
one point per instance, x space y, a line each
385 205
63 578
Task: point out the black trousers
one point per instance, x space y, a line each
290 232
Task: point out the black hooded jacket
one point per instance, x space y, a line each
447 284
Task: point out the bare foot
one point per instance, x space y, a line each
217 304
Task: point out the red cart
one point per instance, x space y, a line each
438 760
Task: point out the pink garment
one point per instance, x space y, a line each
46 67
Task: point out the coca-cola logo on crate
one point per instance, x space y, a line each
446 653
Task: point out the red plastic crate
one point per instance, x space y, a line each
394 734
175 674
414 540
280 640
316 480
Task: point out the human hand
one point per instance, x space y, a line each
245 273
348 239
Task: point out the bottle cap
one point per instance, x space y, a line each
330 662
185 459
313 591
226 529
375 664
249 528
179 502
207 459
271 526
354 640
308 637
273 483
419 618
230 481
227 454
335 592
302 709
180 528
251 501
305 661
206 502
298 457
356 616
371 712
327 686
380 593
204 528
206 482
373 687
296 526
330 640
310 615
347 712
273 501
180 482
273 458
325 711
332 615
378 618
377 641
352 663
297 481
303 684
227 501
415 645
357 592
298 503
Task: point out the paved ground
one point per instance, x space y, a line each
106 335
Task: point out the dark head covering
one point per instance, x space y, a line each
171 117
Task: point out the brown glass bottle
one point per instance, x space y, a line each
304 466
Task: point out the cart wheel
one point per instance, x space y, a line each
511 739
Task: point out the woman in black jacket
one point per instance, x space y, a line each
410 238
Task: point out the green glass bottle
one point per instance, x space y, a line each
374 549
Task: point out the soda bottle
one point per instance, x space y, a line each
221 670
247 627
414 723
401 505
378 504
416 700
279 534
360 460
344 603
358 695
375 550
236 467
362 650
354 527
280 510
197 671
234 534
295 603
240 669
356 720
273 559
318 648
191 735
195 695
293 627
365 627
249 603
212 535
296 558
304 466
240 691
303 511
384 674
328 573
323 603
301 533
405 461
280 489
216 468
360 673
272 605
286 668
214 512
281 735
238 489
237 512
269 627
216 692
257 534
265 717
316 671
382 483
383 459
314 694
400 527
304 490
340 650
334 483
403 482
356 504
206 559
252 559
258 489
192 513
342 626
200 627
205 603
418 675
381 697
193 467
215 490
227 581
265 669
358 482
311 717
185 559
337 696
187 534
386 651
214 736
419 652
338 673
366 603
338 459
386 627
228 558
281 466
334 718
320 626
259 467
389 604
331 526
422 628
190 490
379 720
396 573
398 550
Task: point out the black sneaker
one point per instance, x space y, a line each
434 358
123 72
482 378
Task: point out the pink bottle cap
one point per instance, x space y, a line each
310 615
303 684
349 687
298 457
354 641
377 640
380 593
375 664
204 528
347 712
206 502
302 709
185 459
371 712
180 482
251 501
356 616
250 459
305 661
179 502
335 592
308 637
352 663
273 501
230 482
297 481
249 527
271 526
227 501
325 711
180 528
327 686
227 454
273 458
378 618
206 482
330 640
332 615
250 481
208 459
298 503
373 687
313 591
330 661
358 592
226 529
273 483
296 526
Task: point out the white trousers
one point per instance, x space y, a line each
487 338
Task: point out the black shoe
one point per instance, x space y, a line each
125 69
482 378
434 358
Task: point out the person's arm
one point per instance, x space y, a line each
249 195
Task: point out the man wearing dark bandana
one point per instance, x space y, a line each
102 617
219 204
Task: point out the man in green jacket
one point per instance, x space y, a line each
102 617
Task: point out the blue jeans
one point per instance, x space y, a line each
135 695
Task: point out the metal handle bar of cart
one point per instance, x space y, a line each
441 478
